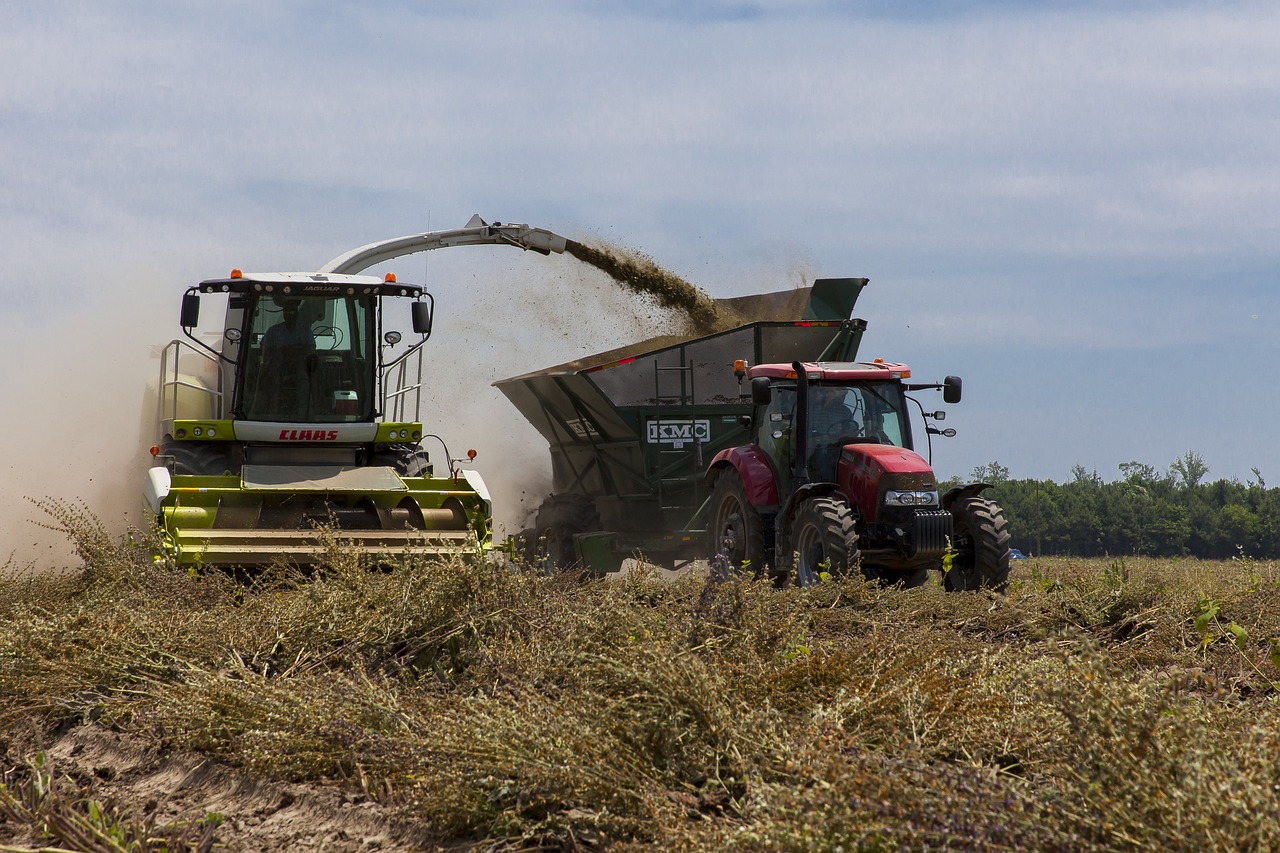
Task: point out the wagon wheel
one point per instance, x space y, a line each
736 531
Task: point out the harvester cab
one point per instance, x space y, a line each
831 481
300 424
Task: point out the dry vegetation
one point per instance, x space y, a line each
1102 704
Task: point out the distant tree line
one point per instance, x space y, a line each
1146 511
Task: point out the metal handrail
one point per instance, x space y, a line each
168 387
398 387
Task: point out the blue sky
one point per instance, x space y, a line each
1073 206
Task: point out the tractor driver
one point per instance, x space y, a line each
829 415
873 425
288 359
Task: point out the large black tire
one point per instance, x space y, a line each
560 518
408 460
981 544
735 531
824 538
196 458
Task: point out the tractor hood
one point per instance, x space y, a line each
866 471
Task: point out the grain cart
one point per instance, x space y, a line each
829 482
299 425
631 430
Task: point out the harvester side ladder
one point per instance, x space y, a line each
402 391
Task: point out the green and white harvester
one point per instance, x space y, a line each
299 427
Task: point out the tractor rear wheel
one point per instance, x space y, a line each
981 544
559 519
736 531
824 539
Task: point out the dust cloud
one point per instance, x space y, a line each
512 315
73 428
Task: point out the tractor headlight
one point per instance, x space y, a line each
914 498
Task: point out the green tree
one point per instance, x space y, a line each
993 473
1189 469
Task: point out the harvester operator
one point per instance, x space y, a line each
288 359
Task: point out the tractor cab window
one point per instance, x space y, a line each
873 412
777 423
308 359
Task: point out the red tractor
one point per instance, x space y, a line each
831 483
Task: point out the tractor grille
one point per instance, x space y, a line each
933 531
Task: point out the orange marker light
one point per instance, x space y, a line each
471 454
236 273
739 367
389 278
155 450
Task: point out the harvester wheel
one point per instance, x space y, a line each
408 460
559 518
195 458
736 531
981 544
824 539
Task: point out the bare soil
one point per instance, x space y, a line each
178 788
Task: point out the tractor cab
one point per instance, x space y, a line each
844 404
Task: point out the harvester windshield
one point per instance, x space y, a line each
308 359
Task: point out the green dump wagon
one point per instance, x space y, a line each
631 430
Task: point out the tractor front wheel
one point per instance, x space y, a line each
981 545
824 539
736 531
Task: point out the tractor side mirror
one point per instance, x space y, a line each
422 317
951 389
761 392
190 310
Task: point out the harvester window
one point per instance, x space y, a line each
308 360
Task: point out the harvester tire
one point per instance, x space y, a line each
824 538
559 519
736 531
981 544
408 460
192 458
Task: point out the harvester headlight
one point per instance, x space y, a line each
911 498
212 432
198 432
180 433
417 434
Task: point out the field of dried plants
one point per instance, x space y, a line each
1125 704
